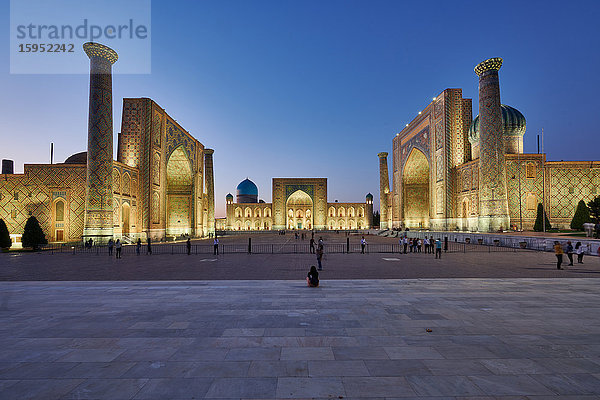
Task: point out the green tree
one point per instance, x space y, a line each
539 224
33 235
594 207
5 241
582 215
376 218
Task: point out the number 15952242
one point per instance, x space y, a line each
46 48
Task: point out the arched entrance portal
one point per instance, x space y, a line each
180 185
415 184
125 211
299 213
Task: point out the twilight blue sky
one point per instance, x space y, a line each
318 88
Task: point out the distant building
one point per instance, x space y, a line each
298 203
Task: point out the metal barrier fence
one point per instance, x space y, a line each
277 248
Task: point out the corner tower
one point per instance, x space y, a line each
384 189
210 192
98 220
493 200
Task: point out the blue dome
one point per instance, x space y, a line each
247 188
513 123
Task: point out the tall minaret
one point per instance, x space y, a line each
98 220
493 200
384 189
210 190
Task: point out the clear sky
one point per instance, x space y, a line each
318 88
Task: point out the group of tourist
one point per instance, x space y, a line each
117 245
418 245
559 251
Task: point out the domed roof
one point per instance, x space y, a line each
247 188
77 158
513 123
229 196
369 196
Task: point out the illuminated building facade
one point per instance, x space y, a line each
298 203
161 184
450 172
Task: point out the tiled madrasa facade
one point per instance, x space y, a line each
450 172
161 184
298 204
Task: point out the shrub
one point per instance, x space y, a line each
33 235
5 241
539 222
582 215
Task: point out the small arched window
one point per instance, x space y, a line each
238 212
530 171
531 201
331 212
60 211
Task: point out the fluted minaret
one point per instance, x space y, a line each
210 191
369 210
384 189
493 200
98 223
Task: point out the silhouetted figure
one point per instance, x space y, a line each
312 278
320 251
118 246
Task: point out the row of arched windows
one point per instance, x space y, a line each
299 213
249 213
248 225
126 185
342 212
343 224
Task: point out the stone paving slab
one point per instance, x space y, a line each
421 339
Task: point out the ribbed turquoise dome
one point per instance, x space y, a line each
247 188
513 123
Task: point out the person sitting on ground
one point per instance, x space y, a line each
312 278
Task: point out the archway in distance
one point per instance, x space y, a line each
298 203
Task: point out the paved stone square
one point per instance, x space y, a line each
414 338
477 262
